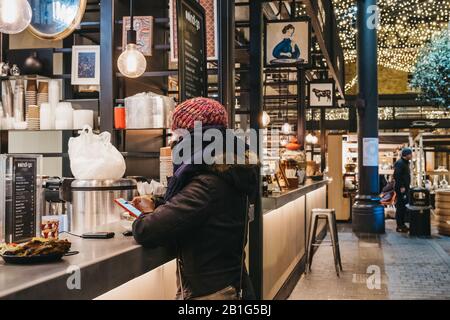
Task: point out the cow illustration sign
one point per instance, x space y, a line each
287 42
321 94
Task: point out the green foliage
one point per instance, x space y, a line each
432 71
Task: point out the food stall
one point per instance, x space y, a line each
52 88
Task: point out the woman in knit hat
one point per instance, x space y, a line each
203 213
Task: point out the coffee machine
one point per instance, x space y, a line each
55 211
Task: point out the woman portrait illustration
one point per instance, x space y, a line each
287 49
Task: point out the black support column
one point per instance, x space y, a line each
256 103
226 70
108 65
368 214
301 107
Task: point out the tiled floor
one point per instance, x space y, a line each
389 266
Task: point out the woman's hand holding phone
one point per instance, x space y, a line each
144 203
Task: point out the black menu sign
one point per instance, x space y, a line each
22 217
192 73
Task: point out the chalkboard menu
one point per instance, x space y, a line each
192 67
21 220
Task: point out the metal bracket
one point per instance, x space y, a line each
360 104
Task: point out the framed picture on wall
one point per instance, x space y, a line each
210 7
144 33
85 65
321 94
287 42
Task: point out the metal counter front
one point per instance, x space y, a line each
119 268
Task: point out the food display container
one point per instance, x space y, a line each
93 202
148 110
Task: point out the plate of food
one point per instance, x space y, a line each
37 250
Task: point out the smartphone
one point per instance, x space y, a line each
98 235
135 212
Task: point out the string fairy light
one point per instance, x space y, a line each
405 26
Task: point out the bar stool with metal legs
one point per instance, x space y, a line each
330 216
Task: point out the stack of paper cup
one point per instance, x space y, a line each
53 98
64 116
46 116
33 117
82 118
165 165
42 94
30 93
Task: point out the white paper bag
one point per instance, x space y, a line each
93 156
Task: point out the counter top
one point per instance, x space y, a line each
103 265
280 199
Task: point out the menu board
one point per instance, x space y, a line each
192 69
22 217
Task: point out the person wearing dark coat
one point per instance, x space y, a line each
203 214
402 177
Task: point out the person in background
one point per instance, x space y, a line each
203 214
388 191
402 177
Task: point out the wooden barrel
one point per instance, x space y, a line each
442 212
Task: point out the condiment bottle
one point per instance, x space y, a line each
119 117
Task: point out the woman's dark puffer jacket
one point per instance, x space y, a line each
206 218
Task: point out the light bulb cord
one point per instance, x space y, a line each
131 34
131 15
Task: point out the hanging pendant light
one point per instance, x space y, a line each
265 119
131 62
15 16
309 138
286 128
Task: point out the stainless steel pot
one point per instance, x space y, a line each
93 202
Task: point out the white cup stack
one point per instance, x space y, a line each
82 118
64 116
53 99
46 117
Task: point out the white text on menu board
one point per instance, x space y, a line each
192 19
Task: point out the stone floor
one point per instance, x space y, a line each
389 266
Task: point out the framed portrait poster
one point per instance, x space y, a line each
86 65
321 94
210 7
287 42
144 33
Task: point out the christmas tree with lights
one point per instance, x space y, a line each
432 71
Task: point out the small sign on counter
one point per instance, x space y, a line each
19 197
23 216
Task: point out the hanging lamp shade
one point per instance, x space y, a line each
15 16
131 62
286 128
265 119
